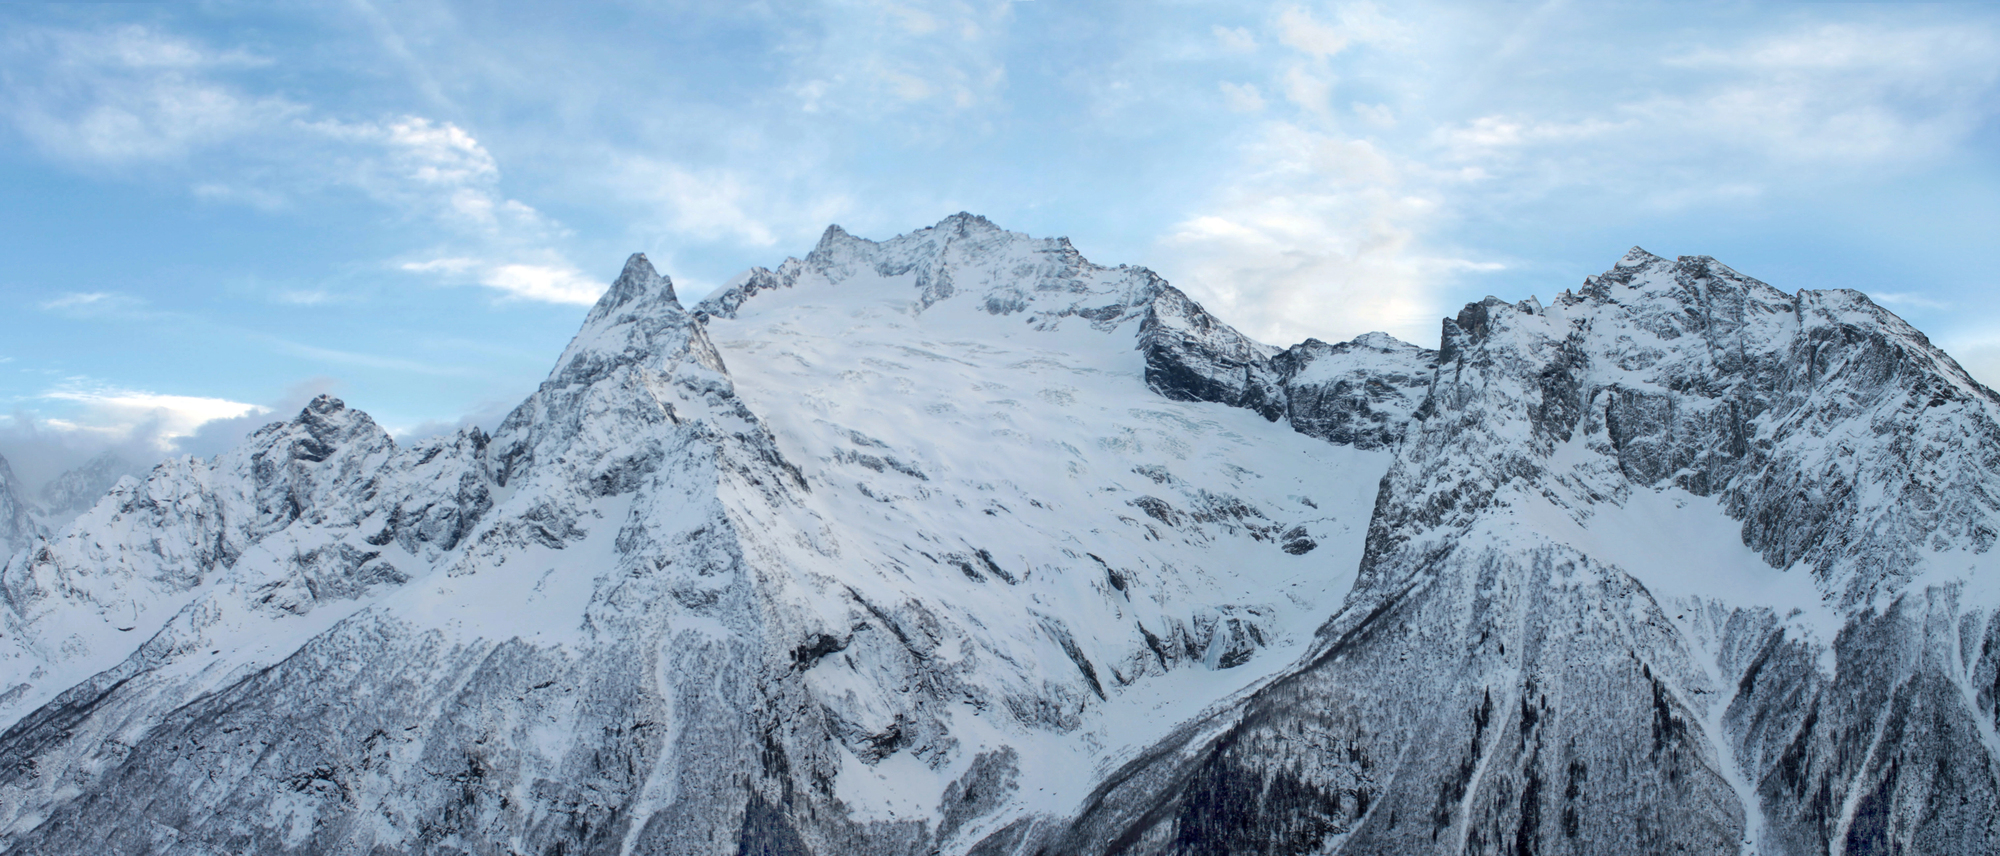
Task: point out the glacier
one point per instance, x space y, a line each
958 542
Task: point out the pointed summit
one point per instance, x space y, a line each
1637 257
833 237
638 281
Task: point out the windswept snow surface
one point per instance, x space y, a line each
1012 470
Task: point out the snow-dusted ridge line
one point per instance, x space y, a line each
1358 392
942 544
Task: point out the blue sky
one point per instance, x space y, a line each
214 210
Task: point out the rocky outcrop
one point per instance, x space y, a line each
1359 393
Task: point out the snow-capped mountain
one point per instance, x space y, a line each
74 491
960 543
1680 563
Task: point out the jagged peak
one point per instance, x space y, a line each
1637 257
962 224
322 404
324 419
935 257
834 236
638 282
966 221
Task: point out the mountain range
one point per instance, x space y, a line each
960 543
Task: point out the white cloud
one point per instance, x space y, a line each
1817 96
352 358
710 204
1297 28
453 265
130 95
114 415
1907 299
1355 23
92 304
261 198
878 59
1318 236
75 300
1488 136
916 22
306 297
432 169
1377 115
1235 39
441 152
1316 232
544 283
1900 52
136 94
1242 97
721 204
553 282
1310 89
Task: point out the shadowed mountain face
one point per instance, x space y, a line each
17 525
957 542
76 490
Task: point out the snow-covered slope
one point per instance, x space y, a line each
74 491
957 542
1097 562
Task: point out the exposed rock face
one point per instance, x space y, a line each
1357 393
17 524
945 544
1360 392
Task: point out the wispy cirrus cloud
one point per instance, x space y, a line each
137 95
131 94
356 358
1908 299
95 304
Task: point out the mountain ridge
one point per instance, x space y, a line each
958 541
